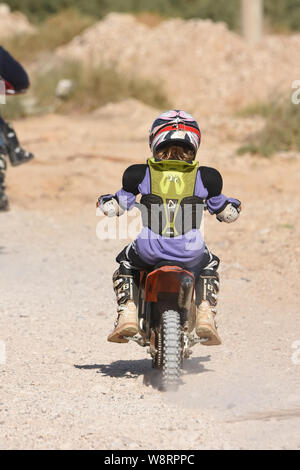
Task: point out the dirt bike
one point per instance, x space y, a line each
166 315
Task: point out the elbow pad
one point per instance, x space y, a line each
229 214
110 206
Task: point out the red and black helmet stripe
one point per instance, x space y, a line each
179 126
174 126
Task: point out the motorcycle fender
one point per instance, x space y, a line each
164 279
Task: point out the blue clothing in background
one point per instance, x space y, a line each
12 71
2 144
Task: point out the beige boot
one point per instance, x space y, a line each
207 293
206 325
191 321
127 321
4 204
126 324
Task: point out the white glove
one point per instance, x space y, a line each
229 214
111 207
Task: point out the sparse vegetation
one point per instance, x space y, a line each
94 87
55 31
282 15
13 108
281 131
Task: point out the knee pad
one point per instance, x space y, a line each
2 164
207 288
212 264
125 284
2 171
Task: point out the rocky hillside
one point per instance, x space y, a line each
13 23
200 64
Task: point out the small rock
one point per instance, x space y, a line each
64 88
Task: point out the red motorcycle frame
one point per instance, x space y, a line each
166 316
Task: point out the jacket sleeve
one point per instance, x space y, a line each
13 72
213 182
132 178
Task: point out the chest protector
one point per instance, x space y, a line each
171 209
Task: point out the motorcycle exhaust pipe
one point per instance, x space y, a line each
186 293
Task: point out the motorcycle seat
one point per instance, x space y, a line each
169 263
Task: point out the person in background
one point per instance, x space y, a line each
14 81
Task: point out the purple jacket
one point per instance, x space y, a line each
188 248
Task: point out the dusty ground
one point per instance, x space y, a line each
63 385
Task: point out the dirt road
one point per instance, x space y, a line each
63 386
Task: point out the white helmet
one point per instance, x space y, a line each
174 127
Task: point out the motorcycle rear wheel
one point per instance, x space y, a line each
171 350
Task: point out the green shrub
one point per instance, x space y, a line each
222 10
281 131
55 31
280 14
283 15
13 109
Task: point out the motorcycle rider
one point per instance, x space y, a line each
15 80
171 179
